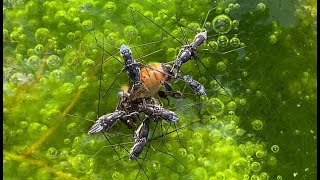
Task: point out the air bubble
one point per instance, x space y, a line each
155 166
190 157
199 173
31 52
193 26
24 168
255 167
243 101
23 124
71 127
19 132
57 76
261 7
264 176
180 168
64 154
244 73
215 106
88 64
240 166
254 177
34 128
74 151
258 93
43 129
19 79
87 25
62 27
61 16
213 118
213 46
246 177
221 66
66 141
33 62
260 154
86 7
218 10
231 106
183 21
240 132
234 42
171 52
223 41
272 161
222 24
220 176
71 36
68 88
112 37
39 49
275 148
296 132
15 36
182 152
81 163
130 32
231 6
110 7
149 14
257 124
117 176
231 113
5 33
42 35
215 135
52 153
53 61
207 25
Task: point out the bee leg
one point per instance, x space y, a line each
129 119
164 95
171 92
129 123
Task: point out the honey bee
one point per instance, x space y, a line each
153 77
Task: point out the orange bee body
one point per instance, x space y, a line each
152 78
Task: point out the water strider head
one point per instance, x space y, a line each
199 39
126 53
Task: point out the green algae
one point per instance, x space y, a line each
51 91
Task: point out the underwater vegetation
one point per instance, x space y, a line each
61 71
